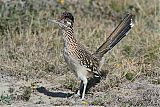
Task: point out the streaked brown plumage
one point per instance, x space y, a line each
82 62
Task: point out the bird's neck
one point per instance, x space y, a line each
68 36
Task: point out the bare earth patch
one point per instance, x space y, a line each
137 93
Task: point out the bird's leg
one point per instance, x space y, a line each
79 91
84 88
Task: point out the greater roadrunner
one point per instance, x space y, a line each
82 62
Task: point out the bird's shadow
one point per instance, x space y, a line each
53 94
91 83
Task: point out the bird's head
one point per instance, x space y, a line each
66 19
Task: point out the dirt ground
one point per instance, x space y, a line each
14 92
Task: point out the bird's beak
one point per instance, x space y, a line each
53 21
57 22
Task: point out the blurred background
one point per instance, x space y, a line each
31 48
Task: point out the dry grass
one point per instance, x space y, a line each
31 48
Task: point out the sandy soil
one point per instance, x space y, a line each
137 93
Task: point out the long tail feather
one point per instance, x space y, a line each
120 31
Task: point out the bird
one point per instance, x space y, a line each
80 60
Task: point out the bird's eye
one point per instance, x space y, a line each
65 21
